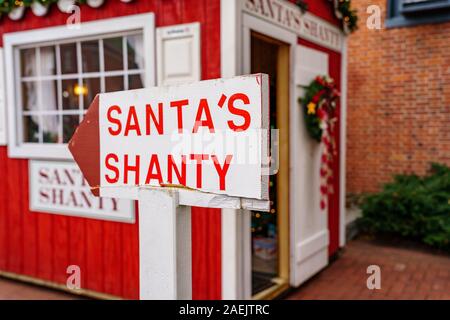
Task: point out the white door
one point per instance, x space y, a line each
309 226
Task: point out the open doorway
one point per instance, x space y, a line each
270 230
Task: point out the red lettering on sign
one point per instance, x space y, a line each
171 166
239 112
222 171
158 123
154 164
127 168
69 177
58 196
114 204
114 120
179 104
203 107
86 199
109 166
43 174
199 158
44 196
132 122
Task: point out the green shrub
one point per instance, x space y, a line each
412 206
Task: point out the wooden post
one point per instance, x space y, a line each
164 246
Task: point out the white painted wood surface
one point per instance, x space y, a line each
233 286
309 225
178 54
343 146
165 246
233 146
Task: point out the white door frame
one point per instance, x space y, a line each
236 268
236 233
251 23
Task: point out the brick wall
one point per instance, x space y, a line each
398 100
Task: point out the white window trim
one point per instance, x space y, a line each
144 22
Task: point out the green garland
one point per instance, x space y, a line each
302 5
6 6
343 10
349 16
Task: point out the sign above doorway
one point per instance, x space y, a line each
305 25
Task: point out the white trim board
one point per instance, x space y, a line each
144 22
233 221
343 146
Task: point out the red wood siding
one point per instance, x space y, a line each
334 69
43 245
323 9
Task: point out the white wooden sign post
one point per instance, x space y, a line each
164 246
200 144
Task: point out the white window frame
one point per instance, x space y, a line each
140 22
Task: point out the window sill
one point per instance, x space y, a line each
40 152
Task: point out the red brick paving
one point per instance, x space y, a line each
15 290
405 274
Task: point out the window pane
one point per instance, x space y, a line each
68 58
50 125
90 56
135 81
69 98
48 93
114 84
48 61
28 62
91 87
70 123
29 96
31 129
135 48
113 53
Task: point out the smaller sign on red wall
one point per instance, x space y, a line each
60 188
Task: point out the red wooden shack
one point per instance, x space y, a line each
53 65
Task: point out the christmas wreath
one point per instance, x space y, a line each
319 108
